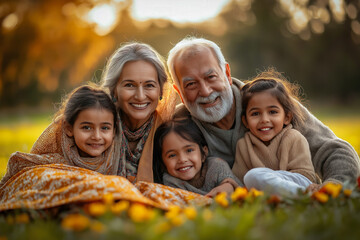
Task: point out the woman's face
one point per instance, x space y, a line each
137 92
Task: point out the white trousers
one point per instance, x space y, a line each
276 182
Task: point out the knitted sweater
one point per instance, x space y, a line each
214 172
333 158
287 151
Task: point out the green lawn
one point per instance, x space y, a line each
330 215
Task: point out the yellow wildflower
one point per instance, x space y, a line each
22 218
108 199
190 213
207 214
240 193
96 209
119 207
76 222
221 199
320 197
97 226
173 211
347 192
255 193
140 213
332 189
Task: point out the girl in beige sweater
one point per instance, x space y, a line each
273 156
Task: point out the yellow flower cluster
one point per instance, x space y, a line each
330 190
140 213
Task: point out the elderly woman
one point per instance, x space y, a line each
137 80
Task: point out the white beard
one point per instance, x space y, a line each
212 114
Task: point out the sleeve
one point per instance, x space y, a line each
334 159
172 181
240 167
299 159
220 168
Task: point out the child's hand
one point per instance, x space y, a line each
313 187
225 187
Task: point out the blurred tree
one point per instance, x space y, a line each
48 47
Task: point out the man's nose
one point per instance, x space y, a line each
205 89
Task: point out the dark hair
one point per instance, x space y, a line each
185 128
274 82
85 97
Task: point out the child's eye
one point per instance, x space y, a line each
86 127
254 114
189 150
273 112
106 128
171 155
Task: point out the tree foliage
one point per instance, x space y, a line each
48 47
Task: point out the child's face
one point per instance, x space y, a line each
182 158
265 116
93 131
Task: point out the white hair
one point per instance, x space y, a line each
191 43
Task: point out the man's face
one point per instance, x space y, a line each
204 87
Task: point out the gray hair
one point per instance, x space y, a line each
132 52
191 43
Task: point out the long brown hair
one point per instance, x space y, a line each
286 93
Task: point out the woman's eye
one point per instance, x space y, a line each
129 85
150 85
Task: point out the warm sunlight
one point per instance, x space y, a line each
177 10
104 16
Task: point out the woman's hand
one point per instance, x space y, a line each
224 187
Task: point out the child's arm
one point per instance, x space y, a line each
226 186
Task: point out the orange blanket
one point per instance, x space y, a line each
51 185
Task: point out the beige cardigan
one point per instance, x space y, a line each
288 151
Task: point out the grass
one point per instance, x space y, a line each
254 216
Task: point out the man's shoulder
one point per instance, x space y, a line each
181 111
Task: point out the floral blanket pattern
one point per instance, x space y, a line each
51 185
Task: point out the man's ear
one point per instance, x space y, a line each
243 118
206 152
288 118
68 129
179 93
228 73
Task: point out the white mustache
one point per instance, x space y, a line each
210 98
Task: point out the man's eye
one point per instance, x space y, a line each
190 85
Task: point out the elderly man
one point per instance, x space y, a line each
212 97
